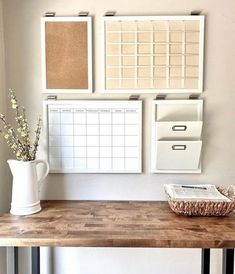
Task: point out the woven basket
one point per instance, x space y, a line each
205 208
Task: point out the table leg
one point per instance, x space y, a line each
205 267
228 261
16 268
35 260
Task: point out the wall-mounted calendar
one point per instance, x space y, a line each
94 136
149 53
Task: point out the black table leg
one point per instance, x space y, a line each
228 261
35 260
205 267
16 269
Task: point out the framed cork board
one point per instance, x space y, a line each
150 53
66 54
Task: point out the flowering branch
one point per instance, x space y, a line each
37 137
19 140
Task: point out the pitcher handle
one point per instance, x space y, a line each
46 171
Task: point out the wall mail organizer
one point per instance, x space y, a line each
145 53
176 136
66 54
94 136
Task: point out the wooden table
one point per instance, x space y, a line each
118 224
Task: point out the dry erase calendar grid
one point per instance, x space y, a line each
155 52
94 136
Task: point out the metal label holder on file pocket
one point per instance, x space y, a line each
179 147
179 128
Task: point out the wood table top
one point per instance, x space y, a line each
115 224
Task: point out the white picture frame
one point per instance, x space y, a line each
98 106
152 88
89 88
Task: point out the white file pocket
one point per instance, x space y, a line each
176 136
185 130
178 155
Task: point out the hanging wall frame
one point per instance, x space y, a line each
66 54
94 136
149 53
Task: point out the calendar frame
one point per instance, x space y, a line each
105 104
199 18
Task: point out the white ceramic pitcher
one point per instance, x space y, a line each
26 186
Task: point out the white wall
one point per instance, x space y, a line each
4 182
23 68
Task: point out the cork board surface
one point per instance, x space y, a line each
66 55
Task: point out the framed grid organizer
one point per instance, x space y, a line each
66 45
148 53
94 136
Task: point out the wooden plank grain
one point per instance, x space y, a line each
115 224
